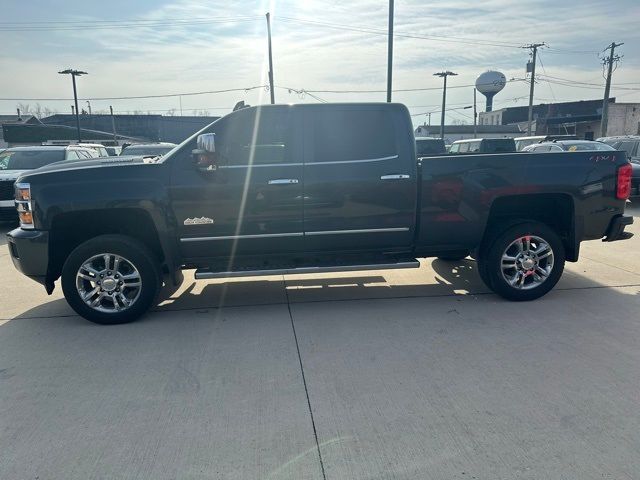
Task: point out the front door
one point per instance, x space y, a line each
360 178
250 203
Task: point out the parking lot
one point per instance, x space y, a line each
371 375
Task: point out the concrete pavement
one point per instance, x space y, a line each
394 375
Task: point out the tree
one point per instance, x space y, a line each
36 110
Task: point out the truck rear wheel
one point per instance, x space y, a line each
524 262
111 279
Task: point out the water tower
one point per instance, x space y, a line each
490 83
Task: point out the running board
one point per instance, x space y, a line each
202 274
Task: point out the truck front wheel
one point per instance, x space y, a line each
111 279
524 262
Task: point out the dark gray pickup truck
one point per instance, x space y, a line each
288 189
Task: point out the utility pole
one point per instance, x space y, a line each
429 118
475 115
605 103
534 52
271 90
113 125
74 74
390 52
444 98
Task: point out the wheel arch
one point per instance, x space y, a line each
70 229
556 210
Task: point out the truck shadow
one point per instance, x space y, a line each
443 279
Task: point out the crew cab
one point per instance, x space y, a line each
286 189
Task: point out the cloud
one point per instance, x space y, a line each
231 51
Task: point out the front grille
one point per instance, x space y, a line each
6 190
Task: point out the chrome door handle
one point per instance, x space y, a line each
395 176
283 181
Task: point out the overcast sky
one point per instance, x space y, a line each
192 46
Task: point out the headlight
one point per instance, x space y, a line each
23 202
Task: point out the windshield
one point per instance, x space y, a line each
425 147
29 159
591 146
147 150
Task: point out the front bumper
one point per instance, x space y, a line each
29 250
616 228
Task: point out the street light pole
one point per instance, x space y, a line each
74 74
444 98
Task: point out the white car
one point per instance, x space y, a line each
14 161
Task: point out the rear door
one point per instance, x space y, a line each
360 178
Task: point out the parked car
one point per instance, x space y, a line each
631 145
113 151
483 145
568 146
148 149
17 160
287 189
426 146
522 142
99 148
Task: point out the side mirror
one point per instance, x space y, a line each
204 154
207 142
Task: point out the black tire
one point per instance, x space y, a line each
481 265
136 254
453 257
490 262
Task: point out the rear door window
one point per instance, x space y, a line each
426 147
627 146
499 145
345 135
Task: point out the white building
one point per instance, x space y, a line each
581 118
461 132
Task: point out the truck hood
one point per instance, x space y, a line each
11 174
69 165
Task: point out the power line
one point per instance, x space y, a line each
91 24
243 89
166 95
374 31
84 21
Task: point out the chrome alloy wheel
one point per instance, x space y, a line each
527 262
108 283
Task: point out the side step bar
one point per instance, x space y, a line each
202 274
